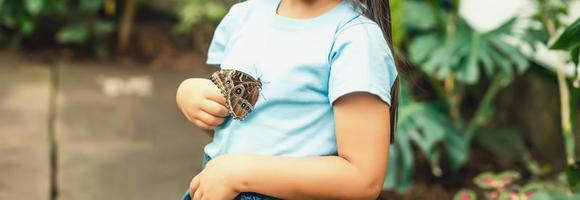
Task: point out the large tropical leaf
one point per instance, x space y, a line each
419 15
422 47
425 126
462 53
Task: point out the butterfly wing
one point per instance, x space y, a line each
223 80
252 86
240 90
242 98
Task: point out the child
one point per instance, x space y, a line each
322 125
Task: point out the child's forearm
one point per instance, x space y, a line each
328 177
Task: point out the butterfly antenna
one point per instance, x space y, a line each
259 74
262 94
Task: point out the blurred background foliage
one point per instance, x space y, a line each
102 24
62 21
455 75
467 69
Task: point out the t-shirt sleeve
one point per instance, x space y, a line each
361 61
222 34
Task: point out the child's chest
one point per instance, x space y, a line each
293 65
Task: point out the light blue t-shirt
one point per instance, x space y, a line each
305 66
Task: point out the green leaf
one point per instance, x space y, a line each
574 55
91 5
27 25
485 180
76 33
214 10
33 6
513 53
465 194
56 8
426 126
555 195
469 72
446 56
430 133
393 169
456 148
529 190
504 66
511 175
408 166
419 123
422 47
541 195
570 37
489 180
534 37
488 65
443 72
398 19
450 55
505 195
419 15
573 175
103 27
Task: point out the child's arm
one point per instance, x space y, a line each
362 133
202 104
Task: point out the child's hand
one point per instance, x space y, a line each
222 178
202 103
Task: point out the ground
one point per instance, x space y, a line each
94 131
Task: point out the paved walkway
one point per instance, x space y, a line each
74 131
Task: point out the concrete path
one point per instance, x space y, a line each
24 143
116 132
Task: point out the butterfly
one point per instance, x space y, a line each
240 90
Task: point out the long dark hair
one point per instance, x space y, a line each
380 12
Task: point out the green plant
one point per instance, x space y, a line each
456 60
570 42
192 12
454 56
196 17
425 125
19 18
465 194
499 187
85 26
504 186
549 16
79 21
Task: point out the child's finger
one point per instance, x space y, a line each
193 185
209 119
216 96
215 108
197 195
202 125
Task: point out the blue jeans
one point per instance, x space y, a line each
241 196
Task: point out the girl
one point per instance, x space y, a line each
322 126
